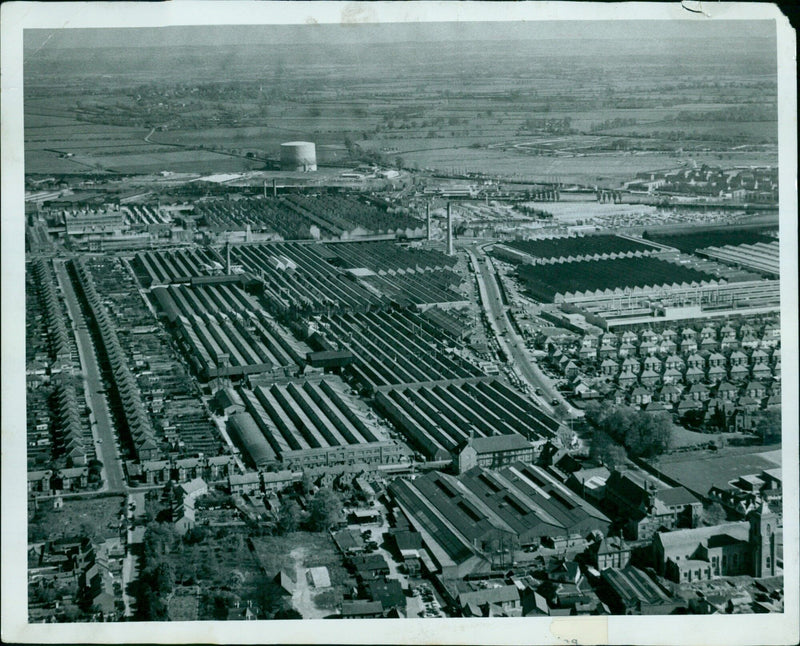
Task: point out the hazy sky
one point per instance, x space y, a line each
395 32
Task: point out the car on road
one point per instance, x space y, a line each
555 402
539 392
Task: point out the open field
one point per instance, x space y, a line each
490 109
744 131
181 160
99 516
607 169
700 471
201 161
683 437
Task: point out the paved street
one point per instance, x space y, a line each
103 428
509 340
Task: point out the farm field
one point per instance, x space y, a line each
181 160
267 137
42 162
395 108
744 131
64 132
607 169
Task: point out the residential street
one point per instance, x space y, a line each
103 426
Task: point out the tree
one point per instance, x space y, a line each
160 578
158 540
324 510
88 530
714 514
643 434
196 534
287 613
289 517
650 434
220 602
768 425
693 419
565 437
269 595
607 451
306 484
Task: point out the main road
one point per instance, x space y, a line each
103 425
508 338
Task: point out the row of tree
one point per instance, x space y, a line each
156 579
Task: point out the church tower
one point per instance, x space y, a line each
763 526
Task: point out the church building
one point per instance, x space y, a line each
730 549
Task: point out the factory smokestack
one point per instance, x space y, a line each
430 224
274 187
228 257
450 250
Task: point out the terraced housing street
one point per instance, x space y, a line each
103 424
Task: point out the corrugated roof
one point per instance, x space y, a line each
493 443
633 586
252 440
458 513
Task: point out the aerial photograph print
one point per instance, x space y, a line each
462 321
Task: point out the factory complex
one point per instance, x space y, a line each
424 419
473 524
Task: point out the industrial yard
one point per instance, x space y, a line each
400 340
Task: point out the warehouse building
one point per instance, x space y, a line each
630 591
656 303
440 417
251 442
309 425
224 333
79 223
473 524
